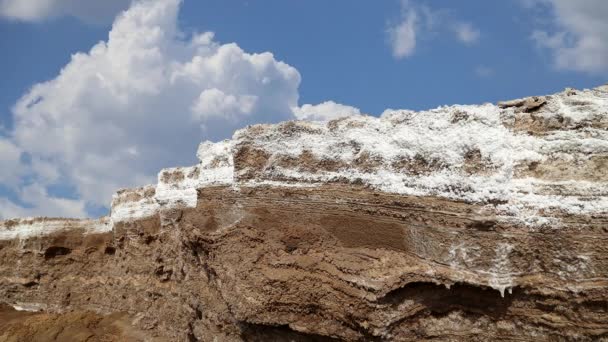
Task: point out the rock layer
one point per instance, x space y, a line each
459 223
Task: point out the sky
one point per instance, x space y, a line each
97 96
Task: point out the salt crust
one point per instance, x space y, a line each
445 136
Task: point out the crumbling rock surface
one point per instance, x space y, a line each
20 326
459 223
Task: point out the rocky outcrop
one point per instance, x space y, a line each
459 223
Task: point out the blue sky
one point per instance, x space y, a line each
365 55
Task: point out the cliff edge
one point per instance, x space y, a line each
458 223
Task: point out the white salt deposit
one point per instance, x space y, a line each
28 228
130 204
446 141
180 191
444 138
29 307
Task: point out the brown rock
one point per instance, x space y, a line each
267 239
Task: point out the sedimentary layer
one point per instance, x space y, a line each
459 223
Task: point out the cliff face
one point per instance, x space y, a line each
459 223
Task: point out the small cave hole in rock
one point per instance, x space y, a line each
55 251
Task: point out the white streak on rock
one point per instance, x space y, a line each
29 228
131 204
29 307
501 278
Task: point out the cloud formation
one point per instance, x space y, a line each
10 159
38 10
325 111
141 101
40 203
578 34
419 20
402 37
466 33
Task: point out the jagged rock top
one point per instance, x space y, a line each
529 160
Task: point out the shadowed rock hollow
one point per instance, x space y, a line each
459 223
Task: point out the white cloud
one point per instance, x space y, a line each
95 11
418 21
141 101
402 37
10 159
466 33
325 111
134 104
215 103
41 204
578 36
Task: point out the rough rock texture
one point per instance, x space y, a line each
20 326
459 223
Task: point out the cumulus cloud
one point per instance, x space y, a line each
37 10
578 35
419 20
134 104
325 111
141 101
215 103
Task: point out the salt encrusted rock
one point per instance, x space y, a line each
458 223
515 163
528 105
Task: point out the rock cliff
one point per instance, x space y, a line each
458 223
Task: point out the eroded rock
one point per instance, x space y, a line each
459 223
